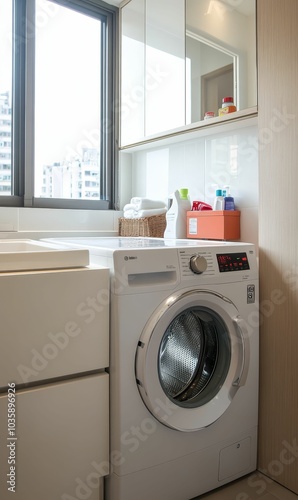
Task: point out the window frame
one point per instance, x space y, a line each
23 102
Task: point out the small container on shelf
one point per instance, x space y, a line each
227 106
209 114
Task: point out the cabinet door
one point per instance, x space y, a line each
165 66
61 450
132 72
152 68
53 324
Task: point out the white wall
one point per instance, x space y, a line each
42 222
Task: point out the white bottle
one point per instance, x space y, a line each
176 215
218 201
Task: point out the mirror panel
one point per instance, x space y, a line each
220 55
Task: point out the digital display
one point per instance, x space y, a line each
232 262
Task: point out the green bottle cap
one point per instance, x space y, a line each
183 193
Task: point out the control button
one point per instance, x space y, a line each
198 264
251 296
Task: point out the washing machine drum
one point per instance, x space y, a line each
191 359
189 355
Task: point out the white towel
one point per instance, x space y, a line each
146 203
151 212
130 214
138 214
129 206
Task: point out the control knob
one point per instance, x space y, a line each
198 264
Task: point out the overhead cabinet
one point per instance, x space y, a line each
179 58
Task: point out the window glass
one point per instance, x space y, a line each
58 129
68 75
6 41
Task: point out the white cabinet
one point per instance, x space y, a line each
61 450
152 68
55 352
53 324
179 58
132 111
165 66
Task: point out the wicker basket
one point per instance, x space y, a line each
147 226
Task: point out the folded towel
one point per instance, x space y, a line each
130 214
146 203
129 206
150 213
139 214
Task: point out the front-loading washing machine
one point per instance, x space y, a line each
183 367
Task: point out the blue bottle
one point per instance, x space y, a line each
229 203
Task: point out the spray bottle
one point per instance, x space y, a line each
176 215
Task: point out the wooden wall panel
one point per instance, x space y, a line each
278 239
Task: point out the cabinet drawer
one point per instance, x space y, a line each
53 323
62 440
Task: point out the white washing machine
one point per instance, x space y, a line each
183 367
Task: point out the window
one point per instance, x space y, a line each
57 96
5 92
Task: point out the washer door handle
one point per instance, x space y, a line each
242 339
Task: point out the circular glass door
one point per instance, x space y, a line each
191 359
194 357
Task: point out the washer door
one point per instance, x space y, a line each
191 359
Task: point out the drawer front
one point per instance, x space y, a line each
53 323
62 441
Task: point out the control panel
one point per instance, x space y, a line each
194 262
209 262
230 262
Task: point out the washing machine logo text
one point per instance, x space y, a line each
130 257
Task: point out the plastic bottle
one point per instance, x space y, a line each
229 203
176 216
219 200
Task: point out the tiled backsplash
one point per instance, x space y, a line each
203 165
